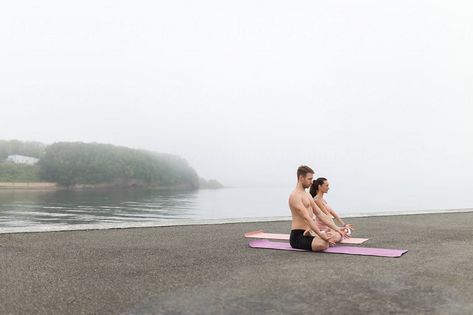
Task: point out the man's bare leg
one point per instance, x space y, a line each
336 237
319 244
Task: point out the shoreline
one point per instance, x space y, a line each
199 222
48 186
28 186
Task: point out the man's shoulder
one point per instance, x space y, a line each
295 195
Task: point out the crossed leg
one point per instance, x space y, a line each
319 244
336 237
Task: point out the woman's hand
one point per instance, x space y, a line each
350 226
343 232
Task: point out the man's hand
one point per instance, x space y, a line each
309 233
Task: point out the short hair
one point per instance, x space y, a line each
303 170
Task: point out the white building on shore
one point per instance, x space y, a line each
22 159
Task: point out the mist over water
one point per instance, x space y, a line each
246 92
66 209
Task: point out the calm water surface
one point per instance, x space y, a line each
23 209
31 208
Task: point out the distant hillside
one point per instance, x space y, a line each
209 184
92 163
77 164
10 147
19 173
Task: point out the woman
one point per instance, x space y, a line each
319 187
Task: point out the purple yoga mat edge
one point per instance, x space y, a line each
339 249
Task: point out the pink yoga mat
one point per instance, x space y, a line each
339 249
276 236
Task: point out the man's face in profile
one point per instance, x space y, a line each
307 180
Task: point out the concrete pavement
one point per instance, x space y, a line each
208 269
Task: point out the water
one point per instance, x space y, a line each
33 208
69 209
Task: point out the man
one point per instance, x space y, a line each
302 206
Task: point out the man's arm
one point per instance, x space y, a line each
299 208
325 219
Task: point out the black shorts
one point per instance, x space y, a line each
299 241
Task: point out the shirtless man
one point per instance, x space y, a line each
302 206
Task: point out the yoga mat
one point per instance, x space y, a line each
339 249
276 236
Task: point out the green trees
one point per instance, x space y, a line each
72 163
32 149
10 172
91 163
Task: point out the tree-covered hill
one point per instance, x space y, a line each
70 163
74 164
30 148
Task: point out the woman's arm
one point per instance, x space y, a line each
339 220
325 219
337 217
328 211
322 207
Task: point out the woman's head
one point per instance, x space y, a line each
319 184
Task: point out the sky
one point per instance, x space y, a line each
374 95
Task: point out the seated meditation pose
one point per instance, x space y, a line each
303 208
319 187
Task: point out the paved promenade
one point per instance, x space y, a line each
208 269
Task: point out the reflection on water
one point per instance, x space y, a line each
25 208
33 208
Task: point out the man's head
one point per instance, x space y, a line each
305 175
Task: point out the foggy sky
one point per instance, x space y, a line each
374 95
